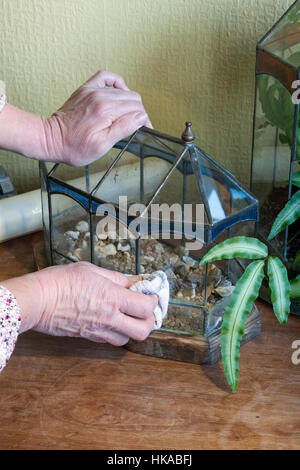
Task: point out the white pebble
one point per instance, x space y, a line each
84 244
121 247
82 226
72 234
72 257
224 291
106 250
79 253
189 261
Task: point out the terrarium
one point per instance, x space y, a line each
155 202
276 149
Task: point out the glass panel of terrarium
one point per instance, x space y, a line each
59 259
155 252
170 156
221 193
178 206
85 178
123 179
284 39
70 228
183 319
272 149
170 246
157 144
293 239
138 171
45 208
192 193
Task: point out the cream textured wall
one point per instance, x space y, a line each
189 59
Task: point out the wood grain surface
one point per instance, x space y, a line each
65 393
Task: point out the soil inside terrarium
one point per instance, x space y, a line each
268 212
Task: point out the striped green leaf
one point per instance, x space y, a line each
296 179
287 216
235 316
280 288
236 247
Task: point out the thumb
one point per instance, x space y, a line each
126 125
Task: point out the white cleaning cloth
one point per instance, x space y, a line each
155 283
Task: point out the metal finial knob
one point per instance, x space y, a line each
188 135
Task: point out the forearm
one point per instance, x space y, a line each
96 116
23 133
28 292
9 325
20 310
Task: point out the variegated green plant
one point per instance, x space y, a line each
236 247
247 288
296 179
289 214
279 112
245 293
280 288
235 316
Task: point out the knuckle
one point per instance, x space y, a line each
136 95
112 318
103 148
143 333
150 305
119 278
121 341
154 302
82 267
83 264
100 107
105 320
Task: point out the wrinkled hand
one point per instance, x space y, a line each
83 300
93 119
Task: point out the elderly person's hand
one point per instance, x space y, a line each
97 115
93 120
79 300
83 300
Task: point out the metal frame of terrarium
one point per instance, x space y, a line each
189 160
270 64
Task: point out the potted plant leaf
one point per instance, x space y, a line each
247 288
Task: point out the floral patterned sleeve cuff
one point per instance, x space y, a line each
10 320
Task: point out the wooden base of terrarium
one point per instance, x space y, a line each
179 346
198 349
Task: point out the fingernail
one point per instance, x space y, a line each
140 118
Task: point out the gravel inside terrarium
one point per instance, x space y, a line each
186 277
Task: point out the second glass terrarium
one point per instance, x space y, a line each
276 137
155 202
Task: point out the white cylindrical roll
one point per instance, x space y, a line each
22 214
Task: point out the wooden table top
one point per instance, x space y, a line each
65 393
